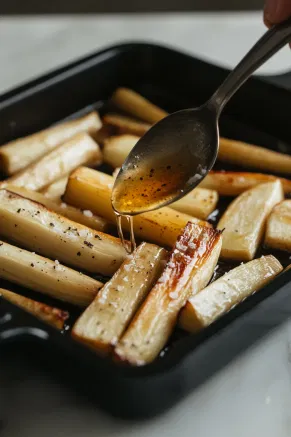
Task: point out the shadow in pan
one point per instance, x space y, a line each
119 6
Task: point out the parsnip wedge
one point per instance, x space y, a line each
162 226
86 218
104 321
229 183
189 269
55 190
117 148
278 231
35 227
45 276
251 156
79 150
125 125
245 219
20 153
51 315
198 203
219 297
235 152
136 105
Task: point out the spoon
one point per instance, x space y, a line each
177 153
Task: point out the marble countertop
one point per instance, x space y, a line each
252 396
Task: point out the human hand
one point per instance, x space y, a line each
276 11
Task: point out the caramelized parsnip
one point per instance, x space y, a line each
278 231
189 269
244 221
18 154
37 228
55 190
162 226
46 313
104 321
219 297
45 276
125 125
231 183
79 150
117 148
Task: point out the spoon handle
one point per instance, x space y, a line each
272 41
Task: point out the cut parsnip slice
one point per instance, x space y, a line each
199 203
235 152
20 153
219 297
51 315
86 218
162 226
79 150
245 219
252 156
136 105
104 321
116 149
125 125
278 231
55 190
229 183
45 276
189 269
35 227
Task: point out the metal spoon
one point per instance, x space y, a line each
177 152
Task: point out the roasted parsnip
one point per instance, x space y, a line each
219 297
116 149
51 315
45 276
18 154
72 213
189 269
235 152
35 227
278 230
55 190
104 321
162 226
125 125
79 150
136 105
230 183
244 221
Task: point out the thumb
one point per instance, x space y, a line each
277 11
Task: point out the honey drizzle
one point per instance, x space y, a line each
132 244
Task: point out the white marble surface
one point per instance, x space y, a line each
252 396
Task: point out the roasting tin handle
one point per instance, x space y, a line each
16 324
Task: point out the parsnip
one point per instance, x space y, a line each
51 315
72 213
125 125
79 150
117 148
136 105
245 219
35 227
189 269
162 226
104 321
219 297
55 190
278 231
198 203
18 154
45 276
235 152
229 183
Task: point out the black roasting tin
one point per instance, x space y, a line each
258 114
